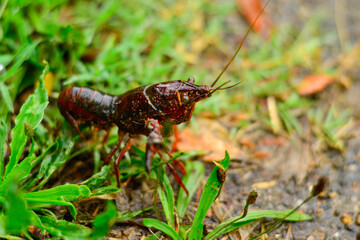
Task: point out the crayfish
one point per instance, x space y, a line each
143 110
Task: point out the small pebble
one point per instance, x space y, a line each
317 235
336 235
346 219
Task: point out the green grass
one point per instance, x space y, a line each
115 46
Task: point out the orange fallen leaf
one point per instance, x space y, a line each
210 136
246 142
314 83
272 141
260 154
250 9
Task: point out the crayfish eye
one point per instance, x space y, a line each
191 80
185 98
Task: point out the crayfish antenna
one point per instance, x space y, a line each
240 45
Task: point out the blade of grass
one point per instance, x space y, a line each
210 192
123 216
166 195
195 173
225 227
3 133
22 55
6 97
153 223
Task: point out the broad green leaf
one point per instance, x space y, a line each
225 227
210 192
17 217
195 174
68 192
19 172
64 229
162 227
38 203
60 195
32 113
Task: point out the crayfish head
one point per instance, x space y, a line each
189 93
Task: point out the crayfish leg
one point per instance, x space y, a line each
115 148
126 148
173 171
71 120
176 139
178 164
106 137
154 145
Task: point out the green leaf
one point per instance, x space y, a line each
6 97
195 174
17 217
60 195
38 203
225 227
162 227
64 229
68 192
104 221
32 113
210 192
19 172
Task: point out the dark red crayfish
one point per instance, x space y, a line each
143 110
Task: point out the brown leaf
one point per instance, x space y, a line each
314 83
250 9
210 136
261 154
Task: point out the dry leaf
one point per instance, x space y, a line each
265 185
211 136
314 84
250 9
261 154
